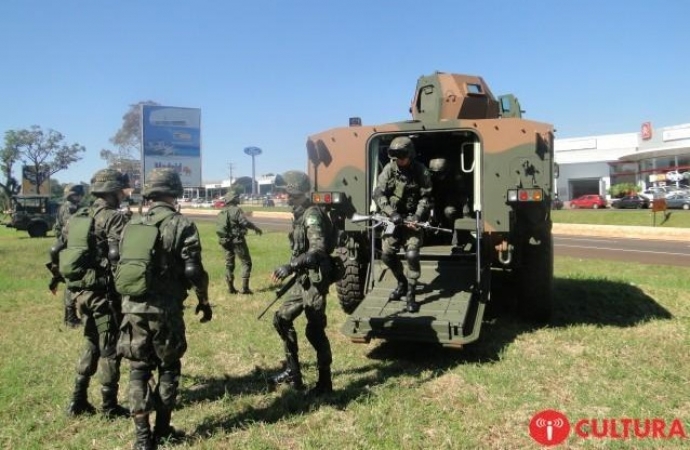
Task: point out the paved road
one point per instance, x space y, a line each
672 253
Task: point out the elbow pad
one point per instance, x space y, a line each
193 272
113 253
309 260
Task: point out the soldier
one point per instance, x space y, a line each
402 193
231 228
74 194
448 197
96 298
153 330
311 245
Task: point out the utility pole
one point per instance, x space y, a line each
231 166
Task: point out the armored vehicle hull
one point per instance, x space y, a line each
506 171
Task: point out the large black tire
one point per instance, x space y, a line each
534 279
350 287
37 229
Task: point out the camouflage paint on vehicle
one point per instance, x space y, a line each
498 152
35 214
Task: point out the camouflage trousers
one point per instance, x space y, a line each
153 342
411 240
69 299
241 250
310 298
100 333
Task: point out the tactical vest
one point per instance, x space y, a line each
141 256
79 262
405 188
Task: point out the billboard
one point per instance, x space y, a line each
171 137
30 180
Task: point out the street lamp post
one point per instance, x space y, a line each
253 152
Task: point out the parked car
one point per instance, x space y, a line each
268 201
678 201
218 203
631 202
588 201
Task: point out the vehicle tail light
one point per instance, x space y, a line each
525 195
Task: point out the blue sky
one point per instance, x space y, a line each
268 73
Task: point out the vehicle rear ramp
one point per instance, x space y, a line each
449 313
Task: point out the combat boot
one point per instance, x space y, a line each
111 409
291 376
231 286
245 287
399 291
411 306
163 431
80 403
71 319
142 433
324 385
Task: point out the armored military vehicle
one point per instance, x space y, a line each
35 214
507 164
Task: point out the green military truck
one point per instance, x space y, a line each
35 214
508 165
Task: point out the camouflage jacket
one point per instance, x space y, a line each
232 224
405 191
64 212
309 231
180 245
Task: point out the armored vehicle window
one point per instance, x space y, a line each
474 88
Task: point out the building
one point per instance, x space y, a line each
591 165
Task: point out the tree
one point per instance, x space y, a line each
44 153
9 155
127 141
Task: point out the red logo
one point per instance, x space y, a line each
549 427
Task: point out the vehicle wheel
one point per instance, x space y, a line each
534 280
686 206
595 206
37 229
350 287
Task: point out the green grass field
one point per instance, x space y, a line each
616 348
672 218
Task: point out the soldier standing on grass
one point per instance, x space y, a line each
74 193
95 295
231 228
309 241
153 330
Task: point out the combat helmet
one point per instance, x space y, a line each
233 195
438 165
294 182
163 181
108 181
73 189
401 147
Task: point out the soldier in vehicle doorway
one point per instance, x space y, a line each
74 194
231 228
402 193
449 196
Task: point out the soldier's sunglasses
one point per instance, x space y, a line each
399 153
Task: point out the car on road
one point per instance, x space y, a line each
631 202
678 201
218 203
267 202
588 201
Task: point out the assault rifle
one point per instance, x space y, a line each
279 293
389 226
57 277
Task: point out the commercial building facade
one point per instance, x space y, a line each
650 157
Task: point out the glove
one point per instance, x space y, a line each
396 218
204 308
282 272
258 231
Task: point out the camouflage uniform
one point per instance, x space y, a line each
73 195
152 335
311 262
403 192
101 307
231 228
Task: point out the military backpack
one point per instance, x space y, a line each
140 254
79 260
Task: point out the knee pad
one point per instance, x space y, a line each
281 325
168 384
